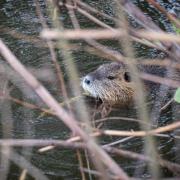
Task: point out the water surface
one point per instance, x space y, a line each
62 163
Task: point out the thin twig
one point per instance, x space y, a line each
79 157
107 34
143 133
53 57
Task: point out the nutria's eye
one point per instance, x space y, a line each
111 77
127 77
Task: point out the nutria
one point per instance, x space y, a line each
111 82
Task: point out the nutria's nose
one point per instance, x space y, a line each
88 79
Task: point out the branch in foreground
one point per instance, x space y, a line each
78 145
60 112
167 128
107 34
160 80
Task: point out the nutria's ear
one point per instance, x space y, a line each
127 77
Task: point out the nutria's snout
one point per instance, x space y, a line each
87 84
110 82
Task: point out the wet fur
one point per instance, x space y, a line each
114 91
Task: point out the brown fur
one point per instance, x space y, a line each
110 83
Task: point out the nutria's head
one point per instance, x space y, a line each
111 83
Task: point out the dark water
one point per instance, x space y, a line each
62 163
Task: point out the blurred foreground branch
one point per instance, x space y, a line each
108 34
60 112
